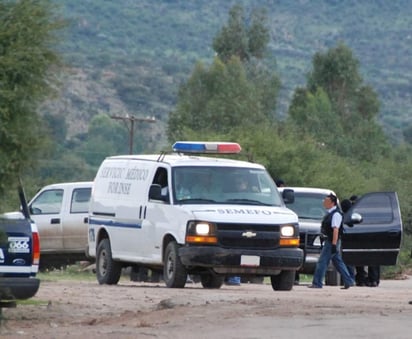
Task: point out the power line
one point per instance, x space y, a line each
132 119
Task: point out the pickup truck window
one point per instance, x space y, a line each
49 202
80 200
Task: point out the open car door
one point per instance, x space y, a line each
377 239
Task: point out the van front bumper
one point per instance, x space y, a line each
221 260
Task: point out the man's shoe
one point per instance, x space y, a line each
346 287
314 286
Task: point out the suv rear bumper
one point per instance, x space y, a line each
223 260
18 288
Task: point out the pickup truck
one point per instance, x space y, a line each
60 212
19 256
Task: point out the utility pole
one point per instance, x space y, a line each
130 128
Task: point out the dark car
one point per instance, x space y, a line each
377 239
372 229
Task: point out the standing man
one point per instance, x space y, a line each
331 229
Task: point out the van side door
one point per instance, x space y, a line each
160 216
377 239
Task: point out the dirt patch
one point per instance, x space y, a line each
70 309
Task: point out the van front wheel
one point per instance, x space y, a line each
283 281
211 280
107 270
174 273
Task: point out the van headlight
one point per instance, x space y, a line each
288 236
287 231
201 232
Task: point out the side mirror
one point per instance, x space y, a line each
288 196
155 192
353 219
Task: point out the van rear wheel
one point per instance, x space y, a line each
174 273
108 271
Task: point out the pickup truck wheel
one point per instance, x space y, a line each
283 281
174 273
332 278
210 280
108 271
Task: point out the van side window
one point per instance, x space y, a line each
160 178
80 200
49 202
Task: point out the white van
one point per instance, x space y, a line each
189 214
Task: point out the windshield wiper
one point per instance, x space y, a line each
248 201
197 200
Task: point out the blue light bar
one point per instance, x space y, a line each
206 147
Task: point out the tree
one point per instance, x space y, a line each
28 64
407 134
240 39
346 121
236 91
218 99
105 137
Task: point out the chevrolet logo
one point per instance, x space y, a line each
248 234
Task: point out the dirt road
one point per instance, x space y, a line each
73 309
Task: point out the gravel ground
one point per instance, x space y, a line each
73 309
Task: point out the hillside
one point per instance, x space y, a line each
131 56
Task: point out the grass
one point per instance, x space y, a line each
73 272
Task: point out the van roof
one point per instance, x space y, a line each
187 160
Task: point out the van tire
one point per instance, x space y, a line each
108 271
174 273
210 280
283 281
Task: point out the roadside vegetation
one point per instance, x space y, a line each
329 137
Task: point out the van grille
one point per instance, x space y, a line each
248 236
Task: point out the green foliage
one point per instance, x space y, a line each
407 134
151 47
56 127
219 99
240 39
313 114
337 109
235 91
27 30
337 72
106 137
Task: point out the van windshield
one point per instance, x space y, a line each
223 185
